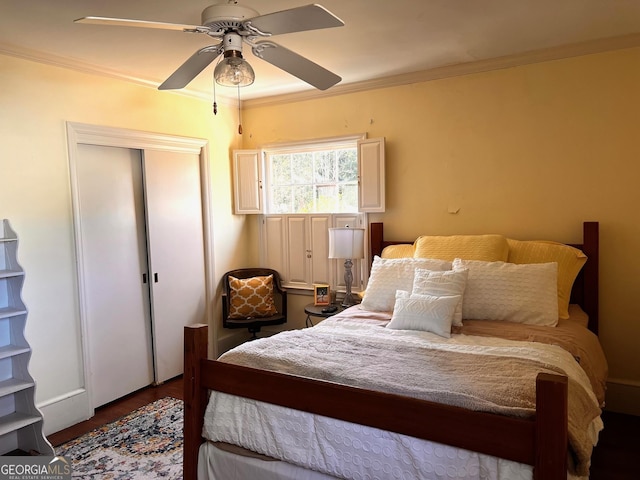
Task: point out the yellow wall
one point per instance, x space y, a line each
530 152
35 102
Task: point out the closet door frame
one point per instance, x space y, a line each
80 133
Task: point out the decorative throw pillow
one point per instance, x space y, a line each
251 297
439 284
570 261
423 312
490 248
506 291
391 274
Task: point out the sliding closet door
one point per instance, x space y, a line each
113 248
176 253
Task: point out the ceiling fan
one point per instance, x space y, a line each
234 24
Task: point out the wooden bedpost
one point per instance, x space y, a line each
590 238
195 396
376 237
551 427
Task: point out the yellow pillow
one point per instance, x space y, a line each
570 260
402 250
251 297
489 248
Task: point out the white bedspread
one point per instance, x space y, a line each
373 357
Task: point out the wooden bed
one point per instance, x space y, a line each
540 441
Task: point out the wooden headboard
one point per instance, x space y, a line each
585 287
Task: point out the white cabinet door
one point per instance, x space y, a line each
247 181
114 257
274 245
297 237
297 246
319 248
176 253
371 178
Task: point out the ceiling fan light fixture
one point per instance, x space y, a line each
235 24
233 70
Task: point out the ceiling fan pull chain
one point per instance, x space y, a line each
239 113
215 105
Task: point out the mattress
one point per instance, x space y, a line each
217 462
341 449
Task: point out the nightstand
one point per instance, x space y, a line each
316 311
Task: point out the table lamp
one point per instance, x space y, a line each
347 243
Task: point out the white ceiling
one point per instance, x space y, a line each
380 39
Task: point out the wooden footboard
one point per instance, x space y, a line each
541 441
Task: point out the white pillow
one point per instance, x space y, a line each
424 312
449 282
391 274
524 293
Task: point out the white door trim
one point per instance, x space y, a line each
79 133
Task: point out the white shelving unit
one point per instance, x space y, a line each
20 420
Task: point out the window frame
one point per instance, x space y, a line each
312 145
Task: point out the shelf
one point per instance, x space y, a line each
12 350
11 273
8 312
17 387
13 385
15 421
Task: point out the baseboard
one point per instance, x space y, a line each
66 410
231 340
623 396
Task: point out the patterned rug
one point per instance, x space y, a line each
147 443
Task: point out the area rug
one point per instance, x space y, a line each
147 443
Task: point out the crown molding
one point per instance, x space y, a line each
447 71
85 67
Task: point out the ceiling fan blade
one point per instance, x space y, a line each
296 65
191 68
300 19
128 22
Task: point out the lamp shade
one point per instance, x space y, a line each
345 242
234 71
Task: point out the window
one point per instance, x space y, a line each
301 189
312 178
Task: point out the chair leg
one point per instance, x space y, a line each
253 331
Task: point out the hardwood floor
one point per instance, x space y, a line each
613 459
114 410
618 449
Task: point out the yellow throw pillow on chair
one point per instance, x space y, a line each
251 297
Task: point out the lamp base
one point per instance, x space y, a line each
349 300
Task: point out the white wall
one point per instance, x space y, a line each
35 102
